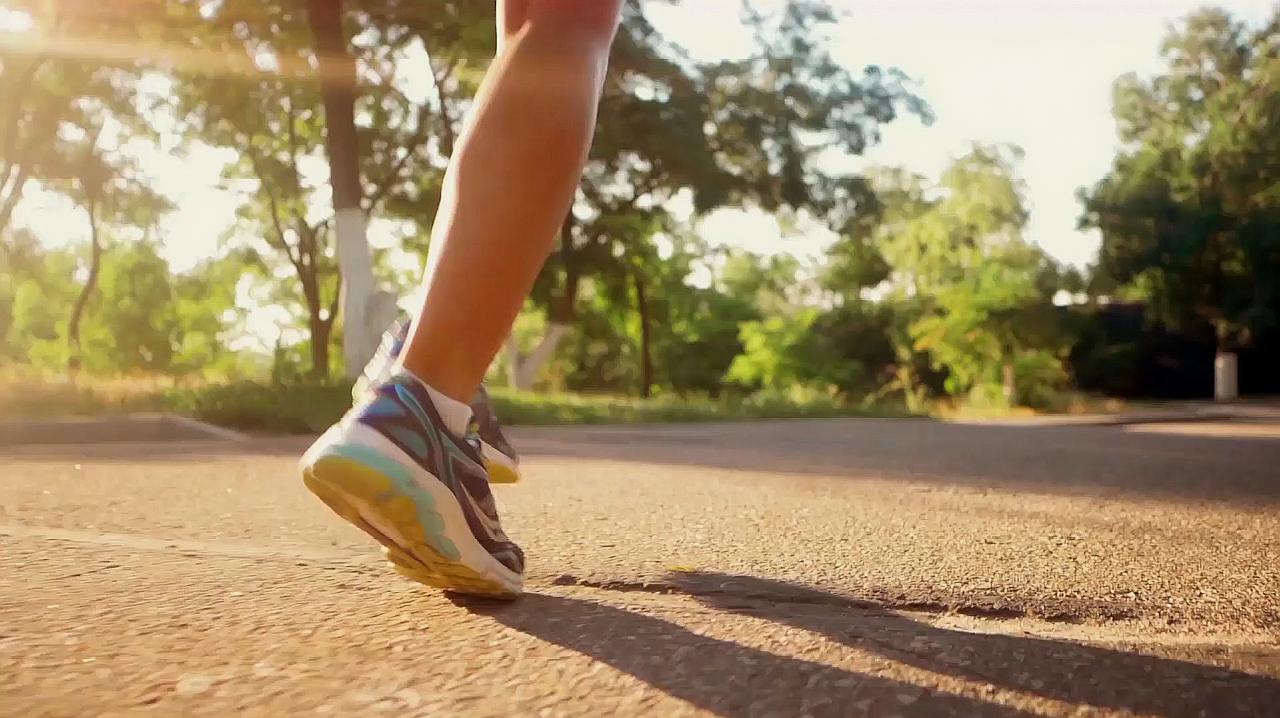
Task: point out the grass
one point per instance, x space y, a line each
1070 403
535 409
311 408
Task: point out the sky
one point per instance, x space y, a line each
1036 73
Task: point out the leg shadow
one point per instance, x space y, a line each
1059 670
722 677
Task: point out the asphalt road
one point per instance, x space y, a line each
828 568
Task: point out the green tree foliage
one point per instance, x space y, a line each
752 132
737 133
134 323
1190 211
265 103
142 318
784 351
104 184
42 290
260 106
845 349
20 259
205 311
979 295
696 328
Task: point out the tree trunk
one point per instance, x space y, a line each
523 370
319 326
320 333
1010 384
646 349
11 193
565 310
362 312
1226 366
75 357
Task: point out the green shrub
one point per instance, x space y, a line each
276 408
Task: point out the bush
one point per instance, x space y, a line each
282 408
1041 380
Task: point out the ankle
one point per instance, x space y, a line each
445 372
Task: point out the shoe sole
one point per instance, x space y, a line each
373 502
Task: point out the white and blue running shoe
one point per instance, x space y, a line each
391 468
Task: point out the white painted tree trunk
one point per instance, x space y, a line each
522 370
366 311
1009 381
1226 382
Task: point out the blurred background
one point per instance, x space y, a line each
792 208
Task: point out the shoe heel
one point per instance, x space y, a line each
380 497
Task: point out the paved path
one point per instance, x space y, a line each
834 568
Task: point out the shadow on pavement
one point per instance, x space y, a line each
1079 460
723 677
1057 670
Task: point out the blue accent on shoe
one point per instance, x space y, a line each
416 445
452 446
414 405
384 406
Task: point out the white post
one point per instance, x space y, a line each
1225 377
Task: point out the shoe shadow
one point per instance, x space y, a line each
1058 670
719 676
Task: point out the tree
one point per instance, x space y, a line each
41 289
845 350
204 312
49 94
59 106
980 296
780 352
103 183
277 111
698 335
747 132
38 93
764 281
133 328
366 311
1190 208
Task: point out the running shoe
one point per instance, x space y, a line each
392 468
